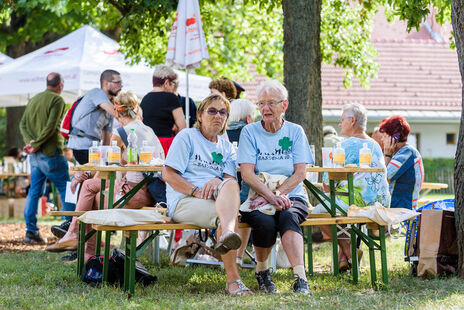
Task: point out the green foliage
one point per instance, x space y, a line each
436 164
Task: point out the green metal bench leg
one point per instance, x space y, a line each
309 233
383 255
132 259
126 262
354 256
171 239
372 261
80 248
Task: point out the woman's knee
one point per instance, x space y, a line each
230 187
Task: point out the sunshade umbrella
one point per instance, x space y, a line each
187 43
4 59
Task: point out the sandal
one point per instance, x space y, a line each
231 241
242 289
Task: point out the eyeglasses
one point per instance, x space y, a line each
270 104
175 82
116 82
213 112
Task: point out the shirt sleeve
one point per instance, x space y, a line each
300 148
246 148
231 160
399 164
173 102
180 147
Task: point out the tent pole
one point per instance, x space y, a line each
187 101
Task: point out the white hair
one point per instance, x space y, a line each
163 72
329 129
358 111
240 109
274 87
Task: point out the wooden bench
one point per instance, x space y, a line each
133 251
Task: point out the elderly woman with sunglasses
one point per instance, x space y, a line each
279 148
200 172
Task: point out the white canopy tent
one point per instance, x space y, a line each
80 57
4 59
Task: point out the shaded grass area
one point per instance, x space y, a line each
38 280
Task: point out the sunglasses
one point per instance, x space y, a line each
213 112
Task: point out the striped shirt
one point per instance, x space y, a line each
405 172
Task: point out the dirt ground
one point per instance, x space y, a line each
12 236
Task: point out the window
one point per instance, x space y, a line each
450 138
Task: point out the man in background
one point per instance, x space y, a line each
39 127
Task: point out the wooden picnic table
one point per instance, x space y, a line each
428 187
346 173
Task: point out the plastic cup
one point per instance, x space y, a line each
327 157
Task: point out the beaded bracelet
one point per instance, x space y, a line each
193 190
387 155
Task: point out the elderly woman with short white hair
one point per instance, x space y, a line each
280 149
242 113
369 187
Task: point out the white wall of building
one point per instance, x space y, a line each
431 136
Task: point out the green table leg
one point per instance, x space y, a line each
372 260
132 259
350 189
80 248
106 254
354 256
334 230
156 253
383 255
171 238
100 207
309 234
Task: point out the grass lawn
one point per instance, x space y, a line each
38 280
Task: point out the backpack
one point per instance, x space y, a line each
66 127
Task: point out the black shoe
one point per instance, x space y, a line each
265 282
317 237
34 238
70 257
60 230
301 286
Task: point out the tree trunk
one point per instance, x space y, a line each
13 135
457 18
302 67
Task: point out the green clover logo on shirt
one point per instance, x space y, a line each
217 157
285 143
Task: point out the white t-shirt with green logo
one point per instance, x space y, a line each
275 153
198 160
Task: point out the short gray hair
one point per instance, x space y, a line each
240 109
358 111
329 130
272 86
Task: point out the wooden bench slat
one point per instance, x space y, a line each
66 213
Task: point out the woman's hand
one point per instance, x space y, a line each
257 202
389 145
281 202
79 177
209 188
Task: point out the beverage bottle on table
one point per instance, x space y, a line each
339 156
132 148
146 153
94 153
365 156
114 153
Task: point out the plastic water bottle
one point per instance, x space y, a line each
132 148
94 153
339 156
146 153
365 156
114 153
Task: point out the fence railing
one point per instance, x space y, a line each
441 176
